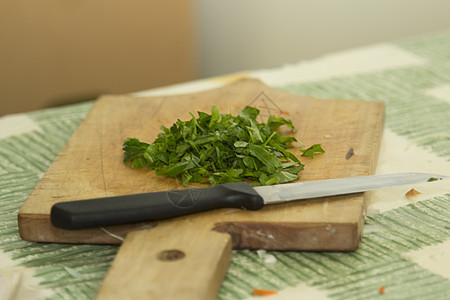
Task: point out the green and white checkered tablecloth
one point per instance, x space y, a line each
405 247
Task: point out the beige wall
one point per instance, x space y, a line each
60 51
240 35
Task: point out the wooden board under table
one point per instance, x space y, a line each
91 166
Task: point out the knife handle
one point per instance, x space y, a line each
153 206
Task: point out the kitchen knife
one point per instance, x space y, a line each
167 204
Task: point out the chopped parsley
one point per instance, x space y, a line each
311 151
431 179
219 148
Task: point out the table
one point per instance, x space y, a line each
405 246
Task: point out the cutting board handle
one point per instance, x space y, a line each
181 260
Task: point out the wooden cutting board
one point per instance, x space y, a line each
157 258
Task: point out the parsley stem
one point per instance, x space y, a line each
270 137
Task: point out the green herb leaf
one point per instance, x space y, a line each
431 179
219 148
317 148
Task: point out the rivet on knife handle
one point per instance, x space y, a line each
153 206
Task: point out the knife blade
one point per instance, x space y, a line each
154 206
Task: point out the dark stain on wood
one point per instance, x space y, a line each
349 154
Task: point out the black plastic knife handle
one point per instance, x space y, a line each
153 206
